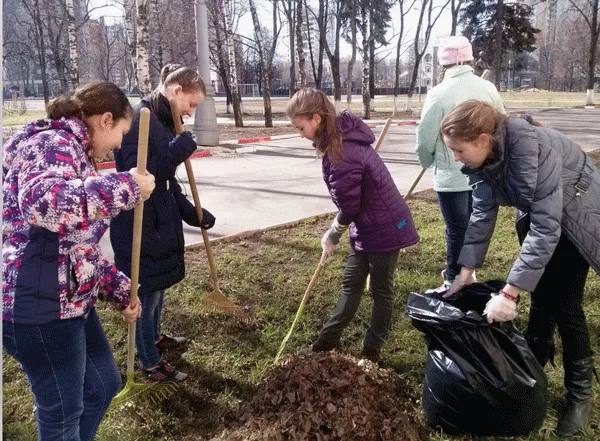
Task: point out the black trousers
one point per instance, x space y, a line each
381 267
557 300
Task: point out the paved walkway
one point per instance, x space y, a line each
273 182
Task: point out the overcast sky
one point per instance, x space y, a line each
245 26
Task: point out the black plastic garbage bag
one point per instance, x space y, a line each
480 379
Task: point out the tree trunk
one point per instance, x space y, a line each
142 41
366 98
397 67
129 6
266 77
233 77
55 49
322 41
310 46
156 19
371 65
352 15
595 28
73 65
35 13
498 43
300 44
290 12
455 9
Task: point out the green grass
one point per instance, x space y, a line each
14 119
227 359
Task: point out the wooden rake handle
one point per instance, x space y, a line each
382 134
136 247
307 293
192 181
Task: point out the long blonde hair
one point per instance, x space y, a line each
308 101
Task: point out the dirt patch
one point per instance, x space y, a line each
229 132
327 396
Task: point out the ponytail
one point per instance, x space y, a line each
308 101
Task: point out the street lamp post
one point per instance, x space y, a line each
205 119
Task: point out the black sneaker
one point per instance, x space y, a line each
163 372
167 343
324 346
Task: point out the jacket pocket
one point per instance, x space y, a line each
83 272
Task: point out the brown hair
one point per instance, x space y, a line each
308 101
91 99
470 119
187 78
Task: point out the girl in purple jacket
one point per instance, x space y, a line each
369 205
56 207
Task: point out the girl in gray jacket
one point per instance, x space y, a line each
556 189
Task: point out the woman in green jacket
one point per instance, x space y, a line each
454 194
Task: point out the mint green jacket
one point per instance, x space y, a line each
460 84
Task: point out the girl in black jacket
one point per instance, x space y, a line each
162 257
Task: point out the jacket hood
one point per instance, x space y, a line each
353 129
71 125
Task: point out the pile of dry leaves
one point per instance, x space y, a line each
327 396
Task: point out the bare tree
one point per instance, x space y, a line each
35 13
352 11
290 14
364 30
421 41
455 6
73 58
142 43
236 99
300 44
218 45
498 43
333 55
589 10
403 12
318 69
265 67
130 31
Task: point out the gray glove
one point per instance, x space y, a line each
331 238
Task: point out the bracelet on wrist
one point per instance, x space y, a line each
514 298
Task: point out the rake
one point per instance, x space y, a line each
214 300
133 389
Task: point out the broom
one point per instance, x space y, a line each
215 300
133 389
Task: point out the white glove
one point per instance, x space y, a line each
331 238
462 279
500 309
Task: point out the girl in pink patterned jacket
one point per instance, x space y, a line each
56 208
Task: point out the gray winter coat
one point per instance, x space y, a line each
541 172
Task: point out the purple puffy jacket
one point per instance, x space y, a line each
362 188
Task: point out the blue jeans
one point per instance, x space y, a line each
381 267
72 373
147 330
456 209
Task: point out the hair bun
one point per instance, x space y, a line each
168 69
64 106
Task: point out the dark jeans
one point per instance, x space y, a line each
72 373
557 302
147 330
456 209
381 267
